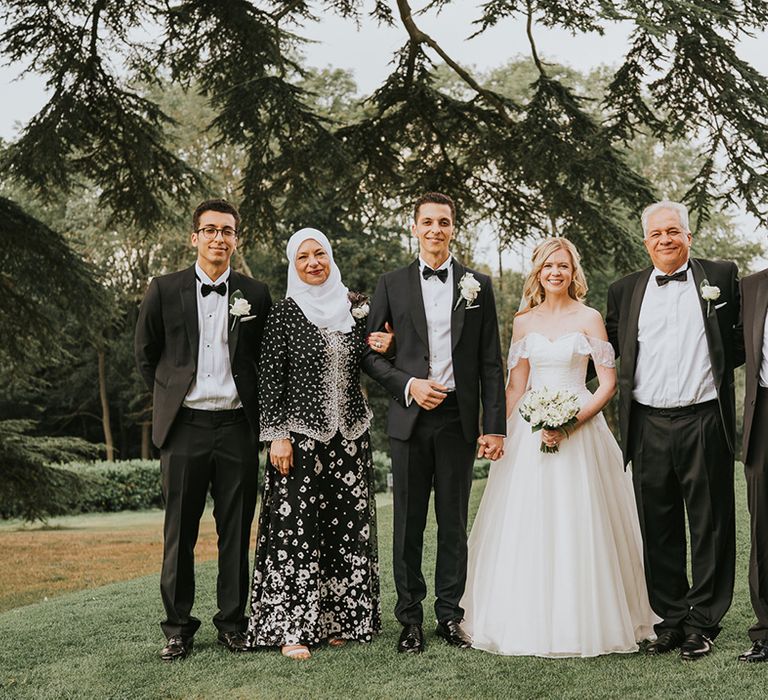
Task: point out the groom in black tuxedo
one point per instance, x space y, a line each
197 347
675 326
448 362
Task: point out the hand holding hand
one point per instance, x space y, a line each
427 394
490 447
380 341
281 455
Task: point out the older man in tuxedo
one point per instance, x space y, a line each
448 363
197 347
674 326
754 294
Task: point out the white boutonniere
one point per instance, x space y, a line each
469 288
361 311
709 293
238 306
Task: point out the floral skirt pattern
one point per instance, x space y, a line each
316 573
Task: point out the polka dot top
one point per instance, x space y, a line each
309 379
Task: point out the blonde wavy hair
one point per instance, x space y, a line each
533 292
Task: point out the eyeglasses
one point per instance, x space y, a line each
210 232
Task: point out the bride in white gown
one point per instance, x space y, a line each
555 553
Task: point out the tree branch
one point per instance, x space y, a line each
419 37
529 31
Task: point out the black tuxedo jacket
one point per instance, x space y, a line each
754 296
167 337
477 366
625 298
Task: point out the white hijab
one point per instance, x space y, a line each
326 305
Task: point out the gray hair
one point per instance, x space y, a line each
680 209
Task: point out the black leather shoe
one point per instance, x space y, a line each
757 654
177 648
695 646
665 642
451 632
234 641
411 640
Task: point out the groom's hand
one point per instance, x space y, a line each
490 447
427 394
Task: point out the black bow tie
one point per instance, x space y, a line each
428 272
206 289
681 276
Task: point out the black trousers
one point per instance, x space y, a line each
756 472
681 463
205 449
436 455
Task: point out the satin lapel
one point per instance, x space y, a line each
233 329
629 345
711 328
758 318
189 309
459 311
416 301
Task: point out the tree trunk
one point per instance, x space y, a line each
146 432
108 441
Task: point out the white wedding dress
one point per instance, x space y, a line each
555 553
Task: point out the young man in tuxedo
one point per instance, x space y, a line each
197 347
448 362
674 326
754 295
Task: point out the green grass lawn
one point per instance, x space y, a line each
103 643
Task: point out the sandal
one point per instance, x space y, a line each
336 642
298 652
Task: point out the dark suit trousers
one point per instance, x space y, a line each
437 455
756 472
216 449
681 463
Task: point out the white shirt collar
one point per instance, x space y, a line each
444 266
204 279
684 266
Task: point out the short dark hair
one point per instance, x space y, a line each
434 198
221 205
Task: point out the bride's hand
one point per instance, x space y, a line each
490 447
552 438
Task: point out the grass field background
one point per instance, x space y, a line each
102 642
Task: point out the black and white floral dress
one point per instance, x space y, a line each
316 573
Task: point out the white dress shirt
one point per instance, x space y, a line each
213 388
763 380
438 298
673 366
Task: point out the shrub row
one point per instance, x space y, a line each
135 484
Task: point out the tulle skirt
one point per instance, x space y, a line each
555 553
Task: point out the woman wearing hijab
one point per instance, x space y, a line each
316 571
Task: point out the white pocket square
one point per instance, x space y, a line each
245 319
719 306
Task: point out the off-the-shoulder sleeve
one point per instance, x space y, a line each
517 351
601 350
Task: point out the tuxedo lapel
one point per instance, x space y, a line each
629 345
233 329
711 327
760 308
189 308
458 311
416 301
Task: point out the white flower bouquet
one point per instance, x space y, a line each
550 410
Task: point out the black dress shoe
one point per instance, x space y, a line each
177 648
665 642
411 640
757 654
695 646
451 632
234 641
